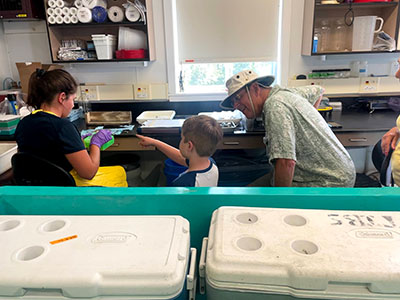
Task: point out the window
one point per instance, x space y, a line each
208 41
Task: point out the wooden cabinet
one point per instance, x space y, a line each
84 31
321 18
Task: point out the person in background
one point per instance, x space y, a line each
302 148
199 140
389 141
47 134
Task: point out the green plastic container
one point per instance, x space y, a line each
104 147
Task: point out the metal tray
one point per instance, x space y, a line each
108 117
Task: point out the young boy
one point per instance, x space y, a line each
199 139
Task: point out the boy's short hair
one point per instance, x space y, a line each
204 132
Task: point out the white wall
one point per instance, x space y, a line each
27 41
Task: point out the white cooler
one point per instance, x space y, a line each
96 257
263 253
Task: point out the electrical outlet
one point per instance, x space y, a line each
142 91
369 85
89 92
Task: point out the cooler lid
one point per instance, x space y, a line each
305 252
91 256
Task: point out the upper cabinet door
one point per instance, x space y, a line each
331 27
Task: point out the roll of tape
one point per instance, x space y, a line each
51 20
93 3
115 14
99 14
58 11
66 11
60 3
67 19
78 3
132 14
74 19
73 11
84 15
59 20
52 3
50 11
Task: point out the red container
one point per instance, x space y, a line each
129 54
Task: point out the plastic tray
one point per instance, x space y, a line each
108 117
155 115
7 150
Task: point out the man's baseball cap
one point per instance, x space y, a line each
239 81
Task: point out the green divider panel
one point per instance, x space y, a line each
195 204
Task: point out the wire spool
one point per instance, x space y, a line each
50 11
52 3
115 14
84 15
132 14
51 20
78 3
93 3
99 14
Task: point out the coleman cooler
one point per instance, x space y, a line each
288 254
96 257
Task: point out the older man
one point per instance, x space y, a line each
300 144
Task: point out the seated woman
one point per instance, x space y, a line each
45 133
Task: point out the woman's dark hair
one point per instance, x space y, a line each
45 85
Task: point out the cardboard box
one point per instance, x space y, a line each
25 70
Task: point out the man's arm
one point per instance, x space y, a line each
284 170
389 140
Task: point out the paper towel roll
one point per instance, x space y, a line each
52 3
115 14
73 11
51 20
50 11
84 15
58 11
78 3
66 11
59 20
67 19
60 3
92 3
99 14
74 19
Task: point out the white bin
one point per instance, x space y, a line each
95 257
286 254
7 150
105 45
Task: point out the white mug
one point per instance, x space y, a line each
363 32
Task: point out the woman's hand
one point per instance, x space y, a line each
146 141
101 137
389 140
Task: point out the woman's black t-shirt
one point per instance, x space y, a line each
50 137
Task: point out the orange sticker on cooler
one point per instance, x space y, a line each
64 239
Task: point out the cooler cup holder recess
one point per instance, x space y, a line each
9 225
30 253
304 247
247 218
53 225
249 243
295 220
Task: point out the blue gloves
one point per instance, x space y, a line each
101 137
